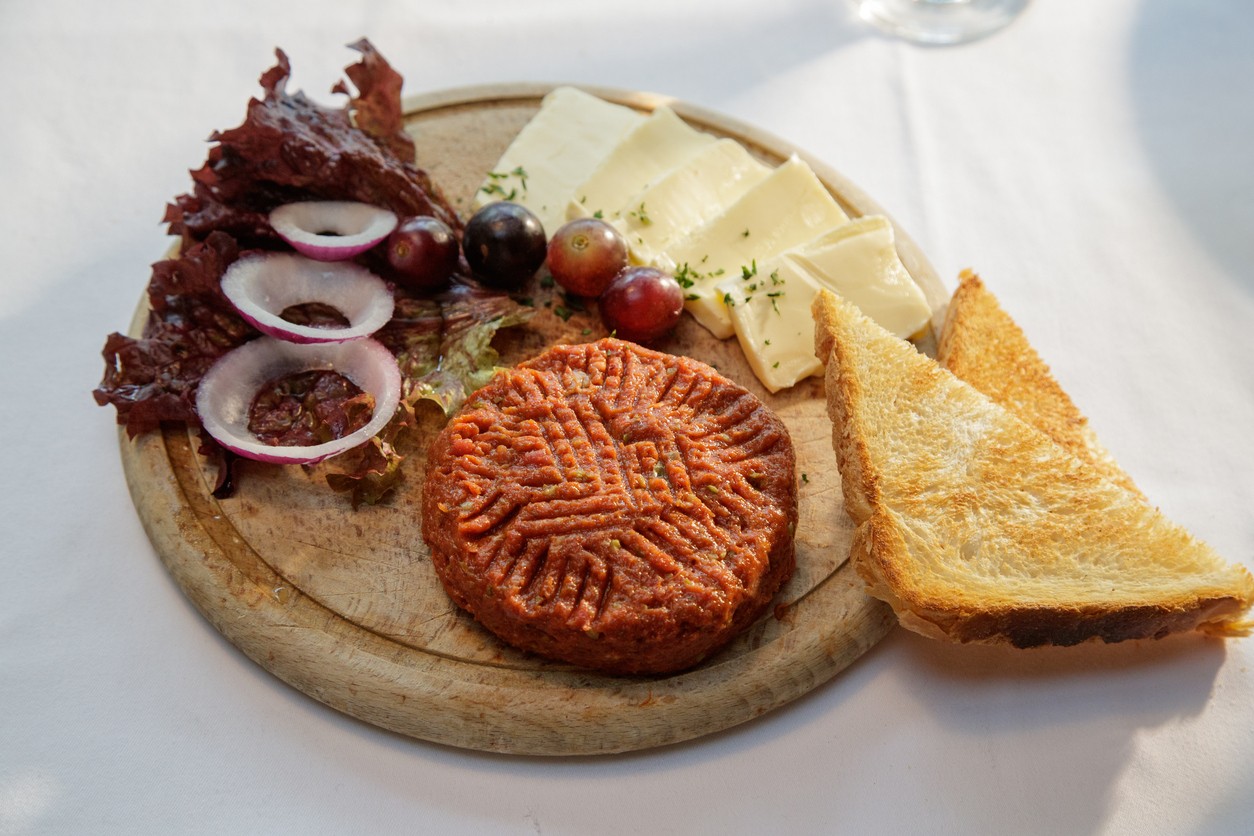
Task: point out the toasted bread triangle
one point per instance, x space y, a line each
976 527
983 346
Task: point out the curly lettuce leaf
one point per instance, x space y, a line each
371 471
377 108
291 148
288 149
444 348
444 344
190 325
375 475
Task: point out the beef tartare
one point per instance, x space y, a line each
612 507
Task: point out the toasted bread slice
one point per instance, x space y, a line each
976 527
984 347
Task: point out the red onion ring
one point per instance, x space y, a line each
332 230
262 286
226 392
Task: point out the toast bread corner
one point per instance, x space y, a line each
983 346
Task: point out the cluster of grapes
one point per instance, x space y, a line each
505 246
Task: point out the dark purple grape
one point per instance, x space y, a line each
504 244
641 304
585 255
423 252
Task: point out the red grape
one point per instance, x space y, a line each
504 244
423 252
641 304
585 255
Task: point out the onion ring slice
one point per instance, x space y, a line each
262 286
227 390
332 230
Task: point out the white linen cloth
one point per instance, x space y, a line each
1093 162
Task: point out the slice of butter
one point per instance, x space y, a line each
687 197
785 209
556 151
649 151
771 310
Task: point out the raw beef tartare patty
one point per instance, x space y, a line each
612 507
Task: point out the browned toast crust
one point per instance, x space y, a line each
983 346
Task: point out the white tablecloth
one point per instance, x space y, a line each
1093 162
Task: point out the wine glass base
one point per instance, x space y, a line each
939 21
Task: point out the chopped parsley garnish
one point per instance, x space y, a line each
572 305
641 215
521 174
497 189
686 276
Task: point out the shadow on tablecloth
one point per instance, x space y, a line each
1195 112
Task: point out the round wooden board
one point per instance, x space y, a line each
345 606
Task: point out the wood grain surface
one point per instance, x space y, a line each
345 606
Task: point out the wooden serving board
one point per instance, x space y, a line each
345 606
